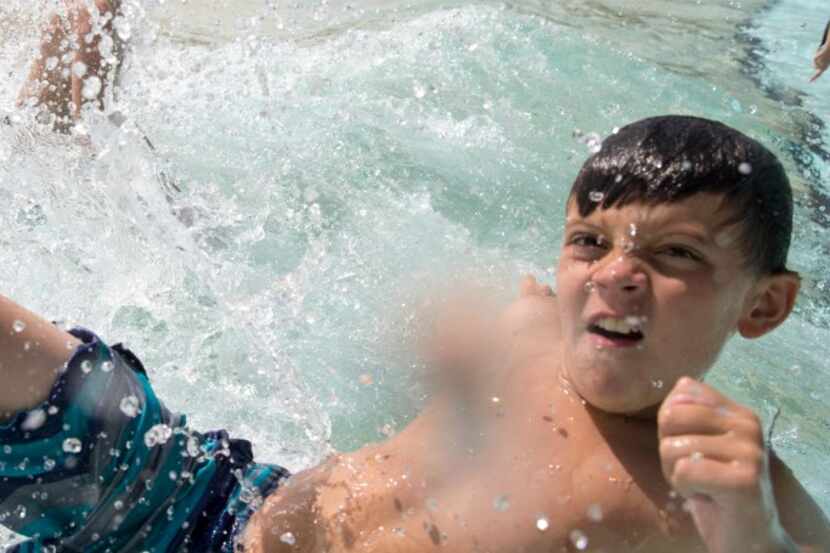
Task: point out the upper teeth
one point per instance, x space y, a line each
622 326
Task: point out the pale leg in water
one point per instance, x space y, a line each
79 55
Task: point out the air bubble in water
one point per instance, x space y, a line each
34 420
501 503
107 366
18 326
48 464
657 383
86 366
419 90
745 168
542 523
579 539
51 63
618 179
92 87
288 538
596 196
590 287
72 445
129 406
122 27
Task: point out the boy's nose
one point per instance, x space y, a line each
621 274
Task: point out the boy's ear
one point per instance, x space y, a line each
773 302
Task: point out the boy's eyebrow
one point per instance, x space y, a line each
664 227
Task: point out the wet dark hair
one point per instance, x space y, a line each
670 158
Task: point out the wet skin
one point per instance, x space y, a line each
560 440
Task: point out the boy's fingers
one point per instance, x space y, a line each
699 475
816 75
724 449
690 419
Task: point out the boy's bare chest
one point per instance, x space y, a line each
539 476
572 486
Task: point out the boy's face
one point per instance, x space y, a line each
648 294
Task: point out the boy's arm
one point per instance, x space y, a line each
32 352
800 516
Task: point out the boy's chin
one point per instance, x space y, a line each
617 395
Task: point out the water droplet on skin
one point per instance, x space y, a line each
288 538
727 238
18 326
596 196
595 512
34 420
130 406
745 168
590 286
72 445
92 87
501 503
79 69
579 539
542 523
696 456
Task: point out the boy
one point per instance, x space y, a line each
575 422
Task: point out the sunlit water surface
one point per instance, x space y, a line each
331 160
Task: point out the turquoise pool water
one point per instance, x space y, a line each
333 159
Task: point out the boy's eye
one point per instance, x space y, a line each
680 252
587 243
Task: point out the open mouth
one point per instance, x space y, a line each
628 330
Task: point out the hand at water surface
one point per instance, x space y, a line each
713 453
